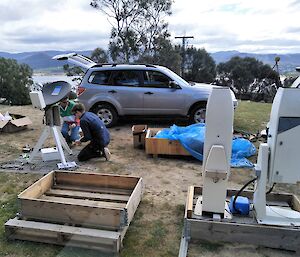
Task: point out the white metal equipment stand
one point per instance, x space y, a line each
216 160
217 153
278 159
52 118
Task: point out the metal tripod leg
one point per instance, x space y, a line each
58 145
63 142
38 146
63 164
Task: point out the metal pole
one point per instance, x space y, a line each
183 52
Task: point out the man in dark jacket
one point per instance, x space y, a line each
93 130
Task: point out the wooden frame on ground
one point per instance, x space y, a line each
89 210
239 229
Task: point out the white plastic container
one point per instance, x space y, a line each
50 154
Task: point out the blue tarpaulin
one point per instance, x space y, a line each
192 139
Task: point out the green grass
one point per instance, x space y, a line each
251 117
6 148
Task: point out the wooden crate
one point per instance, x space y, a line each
163 146
76 208
240 229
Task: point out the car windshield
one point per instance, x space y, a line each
176 77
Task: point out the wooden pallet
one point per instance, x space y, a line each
240 229
76 209
161 146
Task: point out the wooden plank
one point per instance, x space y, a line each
295 203
71 214
39 187
86 202
86 195
107 241
272 197
114 191
134 200
123 232
95 180
267 236
190 198
163 146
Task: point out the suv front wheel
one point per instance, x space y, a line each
107 114
198 114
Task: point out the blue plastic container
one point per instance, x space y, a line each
242 205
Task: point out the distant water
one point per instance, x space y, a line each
52 78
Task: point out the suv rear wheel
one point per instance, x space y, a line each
198 113
107 114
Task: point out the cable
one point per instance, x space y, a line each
270 190
240 191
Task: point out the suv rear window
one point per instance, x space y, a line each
100 77
127 78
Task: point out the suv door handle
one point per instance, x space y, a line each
112 91
148 93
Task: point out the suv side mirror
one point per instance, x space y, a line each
174 85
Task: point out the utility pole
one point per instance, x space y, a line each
183 51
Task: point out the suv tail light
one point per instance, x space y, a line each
80 91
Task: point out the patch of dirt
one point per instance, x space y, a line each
166 179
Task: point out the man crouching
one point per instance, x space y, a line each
93 130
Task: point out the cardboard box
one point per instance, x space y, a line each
19 122
139 134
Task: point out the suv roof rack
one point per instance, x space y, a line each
104 64
115 64
146 64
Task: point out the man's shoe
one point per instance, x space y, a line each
107 153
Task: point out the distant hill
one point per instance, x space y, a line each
43 60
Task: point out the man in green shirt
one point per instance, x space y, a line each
71 125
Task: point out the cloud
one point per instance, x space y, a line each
254 25
295 3
40 39
295 30
16 10
37 25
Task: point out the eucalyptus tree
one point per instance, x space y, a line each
137 26
241 72
200 66
15 82
99 55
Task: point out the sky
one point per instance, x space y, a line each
253 26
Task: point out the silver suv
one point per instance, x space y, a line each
113 90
